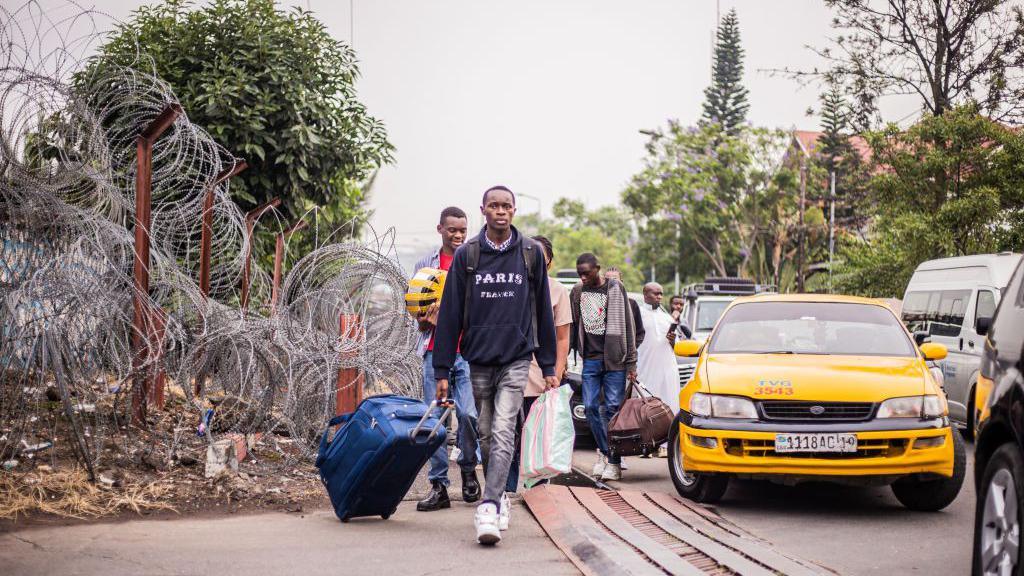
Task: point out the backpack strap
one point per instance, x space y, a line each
472 248
530 258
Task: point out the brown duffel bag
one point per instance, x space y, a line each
641 425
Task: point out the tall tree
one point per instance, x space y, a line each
837 154
271 86
835 125
731 199
725 100
953 186
945 52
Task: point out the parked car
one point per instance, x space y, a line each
943 303
574 375
567 277
999 449
794 388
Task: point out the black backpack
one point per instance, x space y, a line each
529 251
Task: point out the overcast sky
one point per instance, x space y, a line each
547 97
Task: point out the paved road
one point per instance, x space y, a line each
854 531
278 543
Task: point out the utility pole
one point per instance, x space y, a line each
800 229
676 252
831 228
714 36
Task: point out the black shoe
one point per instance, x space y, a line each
470 486
436 500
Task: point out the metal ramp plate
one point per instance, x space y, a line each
628 532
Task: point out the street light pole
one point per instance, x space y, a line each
540 205
800 229
676 260
831 228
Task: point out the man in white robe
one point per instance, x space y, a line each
656 361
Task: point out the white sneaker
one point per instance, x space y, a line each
612 472
662 451
455 455
598 470
505 514
486 522
623 465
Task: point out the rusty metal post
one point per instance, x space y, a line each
350 382
279 260
250 224
159 332
206 244
206 248
142 319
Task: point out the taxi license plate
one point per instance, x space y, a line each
815 442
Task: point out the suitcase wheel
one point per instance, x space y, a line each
385 516
345 519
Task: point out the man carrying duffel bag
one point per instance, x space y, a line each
496 297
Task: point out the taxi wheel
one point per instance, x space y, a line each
934 495
706 488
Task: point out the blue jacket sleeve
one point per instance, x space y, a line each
545 353
449 317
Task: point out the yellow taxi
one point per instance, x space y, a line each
795 388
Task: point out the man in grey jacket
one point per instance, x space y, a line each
604 333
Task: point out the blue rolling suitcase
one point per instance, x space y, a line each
372 461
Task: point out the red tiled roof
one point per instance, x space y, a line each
808 143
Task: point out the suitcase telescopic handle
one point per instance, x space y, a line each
448 404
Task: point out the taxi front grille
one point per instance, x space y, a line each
794 410
874 448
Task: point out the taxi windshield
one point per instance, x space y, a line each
810 328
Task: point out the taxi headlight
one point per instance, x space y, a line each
700 404
722 406
929 406
733 407
934 407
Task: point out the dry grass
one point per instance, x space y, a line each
70 495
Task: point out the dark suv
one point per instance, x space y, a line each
999 449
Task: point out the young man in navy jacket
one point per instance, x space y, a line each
501 311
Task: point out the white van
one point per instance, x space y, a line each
943 302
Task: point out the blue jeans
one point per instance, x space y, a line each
460 389
603 392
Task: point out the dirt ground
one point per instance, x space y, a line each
49 496
155 472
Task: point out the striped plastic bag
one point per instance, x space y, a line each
548 437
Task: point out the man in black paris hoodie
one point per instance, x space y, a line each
502 312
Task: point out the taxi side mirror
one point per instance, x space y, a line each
933 351
687 348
